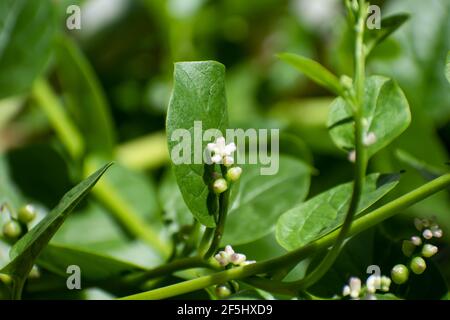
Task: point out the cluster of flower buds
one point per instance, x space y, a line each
222 153
228 256
15 226
417 248
357 291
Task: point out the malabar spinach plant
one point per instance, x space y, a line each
214 211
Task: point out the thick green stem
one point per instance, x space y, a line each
369 220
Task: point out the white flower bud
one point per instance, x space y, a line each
229 250
234 173
237 258
355 287
369 139
429 250
417 241
222 258
427 234
346 291
220 186
373 283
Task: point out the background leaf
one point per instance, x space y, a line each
385 109
198 95
326 211
261 199
25 251
315 71
27 30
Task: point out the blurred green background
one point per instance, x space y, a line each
70 98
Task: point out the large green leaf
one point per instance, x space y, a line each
198 95
315 71
85 98
385 111
25 251
261 199
26 34
388 26
326 211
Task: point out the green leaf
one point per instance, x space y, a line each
326 211
315 71
198 95
388 26
385 111
95 267
447 69
261 199
27 30
85 98
25 251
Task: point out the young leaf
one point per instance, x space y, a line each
326 211
261 199
85 98
386 115
25 251
27 30
198 95
388 26
315 71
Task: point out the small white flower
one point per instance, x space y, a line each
222 258
417 241
237 258
222 152
229 250
352 156
355 287
369 139
427 234
373 283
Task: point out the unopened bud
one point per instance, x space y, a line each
220 186
222 291
27 213
427 234
237 258
408 248
417 241
12 229
429 250
399 274
418 265
234 173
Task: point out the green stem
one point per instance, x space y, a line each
220 228
64 127
369 220
164 270
360 161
